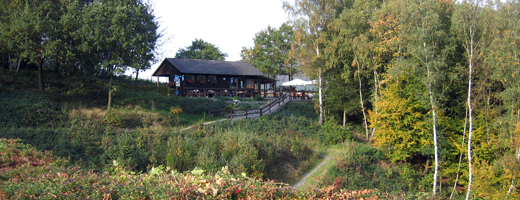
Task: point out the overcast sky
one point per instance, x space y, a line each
228 24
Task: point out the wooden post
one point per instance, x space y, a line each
261 111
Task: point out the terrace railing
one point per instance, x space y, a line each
266 109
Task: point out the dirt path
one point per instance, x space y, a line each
304 179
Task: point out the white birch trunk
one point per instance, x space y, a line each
460 157
376 86
361 99
435 142
320 93
470 110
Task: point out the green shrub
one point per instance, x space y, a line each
259 98
223 98
31 174
245 106
365 167
305 110
334 133
113 119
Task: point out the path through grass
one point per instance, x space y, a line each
315 176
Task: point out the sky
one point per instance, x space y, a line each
227 24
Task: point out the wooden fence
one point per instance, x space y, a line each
245 112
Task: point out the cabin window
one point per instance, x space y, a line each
234 82
201 79
190 79
212 79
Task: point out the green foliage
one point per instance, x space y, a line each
201 49
365 167
297 109
400 125
46 178
333 133
29 109
270 54
245 106
259 98
138 139
113 119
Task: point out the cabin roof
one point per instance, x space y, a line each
213 67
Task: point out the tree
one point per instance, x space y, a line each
400 125
310 19
425 36
350 44
271 51
120 34
33 31
470 26
200 49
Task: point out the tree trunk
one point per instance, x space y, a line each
435 142
344 118
470 111
18 64
9 61
110 74
40 75
376 86
426 168
460 157
361 99
320 93
136 74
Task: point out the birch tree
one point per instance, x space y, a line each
310 19
425 36
469 24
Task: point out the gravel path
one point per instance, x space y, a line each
304 179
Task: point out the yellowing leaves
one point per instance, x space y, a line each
400 123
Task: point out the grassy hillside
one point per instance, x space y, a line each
26 173
141 131
141 134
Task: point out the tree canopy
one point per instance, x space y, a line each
68 36
201 49
438 80
271 51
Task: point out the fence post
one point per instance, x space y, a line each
261 111
246 113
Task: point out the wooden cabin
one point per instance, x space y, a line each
212 78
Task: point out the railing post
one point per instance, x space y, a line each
246 113
261 111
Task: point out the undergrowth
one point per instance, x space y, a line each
28 174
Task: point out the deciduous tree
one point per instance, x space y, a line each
271 51
201 49
310 19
